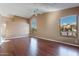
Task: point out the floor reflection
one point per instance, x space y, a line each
33 46
2 40
64 51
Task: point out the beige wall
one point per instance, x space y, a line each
48 25
18 27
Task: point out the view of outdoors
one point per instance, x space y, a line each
33 25
68 26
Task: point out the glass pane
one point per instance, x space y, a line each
68 25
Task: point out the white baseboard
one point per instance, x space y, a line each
57 41
17 37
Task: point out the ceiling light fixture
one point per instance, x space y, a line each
36 11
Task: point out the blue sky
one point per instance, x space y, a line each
34 24
68 20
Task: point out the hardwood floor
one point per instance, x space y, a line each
36 47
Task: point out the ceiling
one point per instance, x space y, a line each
27 9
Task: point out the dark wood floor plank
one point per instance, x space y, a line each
27 46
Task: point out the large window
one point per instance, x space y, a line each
33 25
68 26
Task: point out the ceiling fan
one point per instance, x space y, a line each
35 11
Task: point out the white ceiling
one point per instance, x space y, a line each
27 9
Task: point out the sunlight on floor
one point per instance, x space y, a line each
2 40
33 46
64 51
